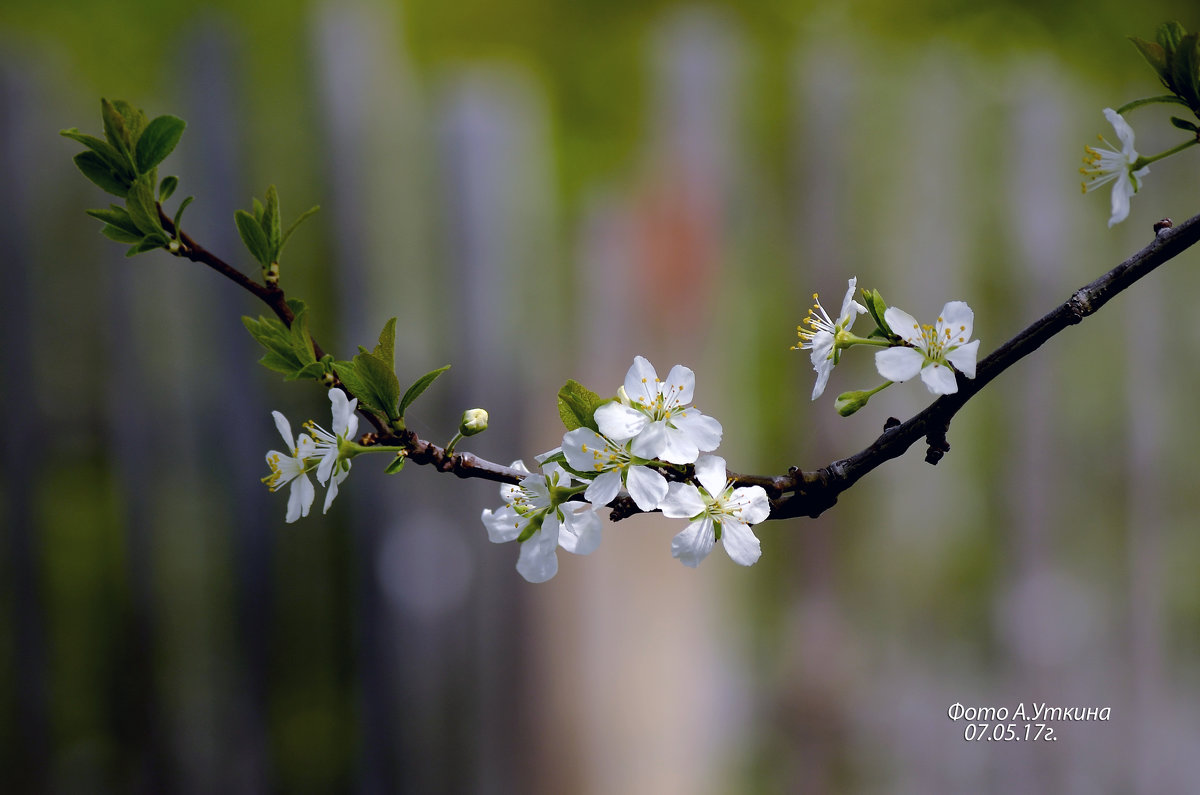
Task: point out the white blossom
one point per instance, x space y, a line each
658 417
718 511
1106 164
821 335
615 467
933 351
292 467
333 468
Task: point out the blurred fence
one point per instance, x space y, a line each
166 632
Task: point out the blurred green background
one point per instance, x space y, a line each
542 191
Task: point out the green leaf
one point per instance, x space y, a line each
142 207
167 187
135 118
385 351
121 235
577 406
96 169
284 238
119 218
282 355
1184 124
116 131
252 235
106 151
1185 70
419 386
1155 56
347 373
258 209
380 390
1169 35
301 341
179 215
149 243
270 222
396 465
157 141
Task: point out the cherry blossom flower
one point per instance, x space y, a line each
1106 164
615 466
825 337
933 351
538 515
334 466
657 416
292 468
718 512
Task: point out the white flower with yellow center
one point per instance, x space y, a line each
615 467
657 416
292 467
1105 164
826 337
933 351
334 467
718 512
539 516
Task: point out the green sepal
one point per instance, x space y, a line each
534 525
252 236
157 141
396 465
419 386
577 406
100 172
877 308
167 187
142 207
1184 124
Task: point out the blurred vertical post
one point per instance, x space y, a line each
230 408
28 751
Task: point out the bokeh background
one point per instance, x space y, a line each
541 191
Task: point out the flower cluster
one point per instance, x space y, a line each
650 429
323 451
935 352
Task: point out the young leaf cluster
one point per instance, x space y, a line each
125 164
1175 55
289 350
261 233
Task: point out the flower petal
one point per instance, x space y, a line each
604 488
711 472
751 504
1121 192
538 560
963 358
704 431
502 525
300 499
680 385
620 422
905 325
580 530
647 487
652 442
899 363
694 543
957 318
740 542
584 449
641 384
285 430
683 501
939 379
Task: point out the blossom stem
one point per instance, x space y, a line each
1145 161
451 444
1137 103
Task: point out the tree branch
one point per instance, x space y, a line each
798 493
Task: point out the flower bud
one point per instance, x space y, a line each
473 421
849 402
